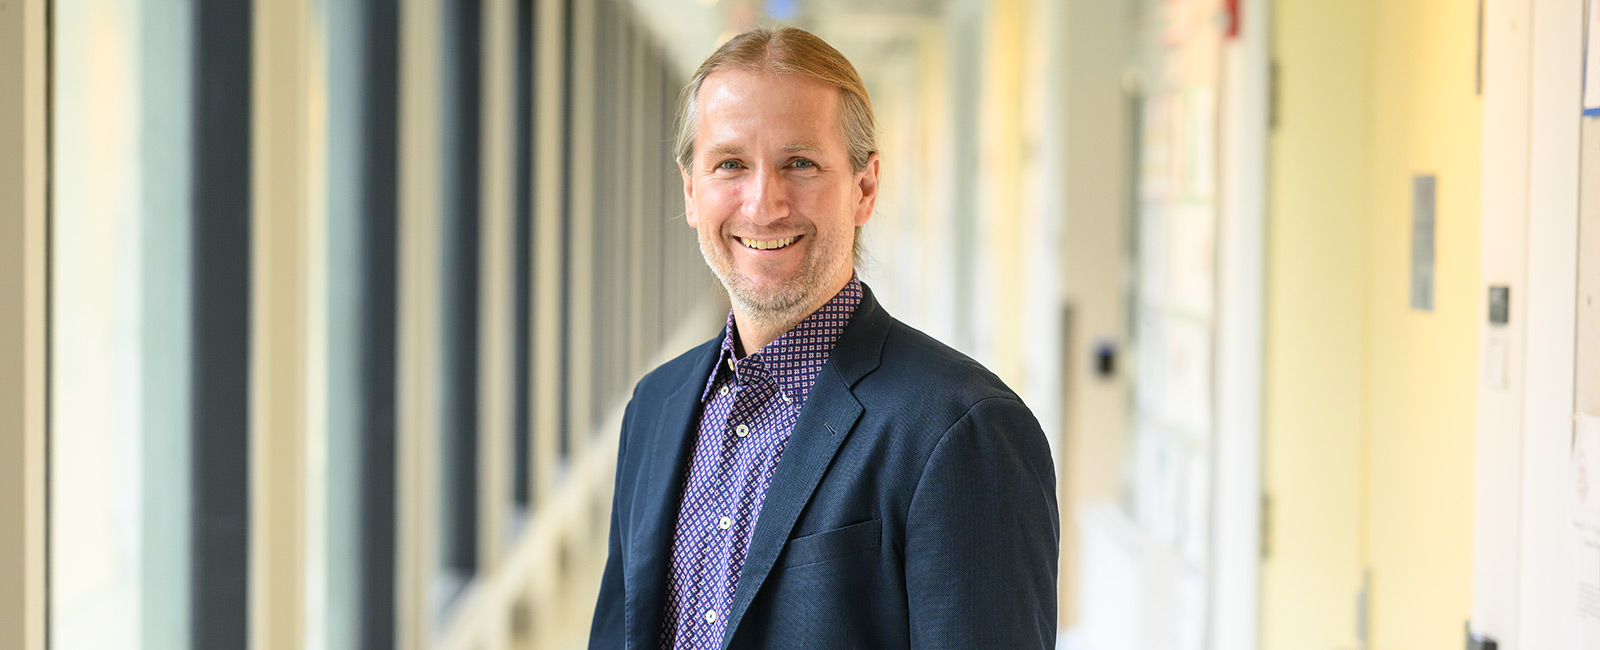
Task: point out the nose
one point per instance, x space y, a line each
768 198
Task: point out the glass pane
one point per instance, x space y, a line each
351 491
120 357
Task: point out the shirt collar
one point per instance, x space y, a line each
795 358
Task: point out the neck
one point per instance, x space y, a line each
757 328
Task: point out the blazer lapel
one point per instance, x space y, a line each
655 511
830 413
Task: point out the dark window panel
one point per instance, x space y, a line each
460 232
564 404
522 387
221 297
380 314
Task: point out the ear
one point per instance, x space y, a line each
867 185
688 198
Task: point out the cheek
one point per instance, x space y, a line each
714 203
832 210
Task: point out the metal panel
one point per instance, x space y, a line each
1423 192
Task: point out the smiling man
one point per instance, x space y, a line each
819 474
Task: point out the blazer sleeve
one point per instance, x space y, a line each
982 535
609 627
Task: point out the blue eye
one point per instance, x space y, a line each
802 163
728 164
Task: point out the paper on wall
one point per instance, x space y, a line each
1585 486
1584 479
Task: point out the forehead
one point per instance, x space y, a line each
736 104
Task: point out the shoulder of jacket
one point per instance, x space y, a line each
937 373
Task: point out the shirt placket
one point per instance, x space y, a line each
754 455
709 551
725 498
732 497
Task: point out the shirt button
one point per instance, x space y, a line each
722 391
742 430
711 617
785 397
724 523
731 366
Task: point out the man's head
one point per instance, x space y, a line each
777 145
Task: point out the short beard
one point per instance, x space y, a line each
784 307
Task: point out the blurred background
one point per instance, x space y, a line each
343 300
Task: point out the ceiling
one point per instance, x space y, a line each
868 32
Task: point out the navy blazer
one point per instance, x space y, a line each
914 506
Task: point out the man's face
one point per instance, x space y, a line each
771 191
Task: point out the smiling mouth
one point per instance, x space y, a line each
768 244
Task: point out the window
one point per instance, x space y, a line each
150 325
351 536
122 309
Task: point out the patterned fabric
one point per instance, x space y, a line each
749 407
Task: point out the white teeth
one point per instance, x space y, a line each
767 244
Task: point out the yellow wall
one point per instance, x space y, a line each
1422 367
1369 405
1314 307
1000 219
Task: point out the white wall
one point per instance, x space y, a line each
1236 490
1506 58
1546 595
1524 594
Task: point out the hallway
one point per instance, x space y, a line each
323 314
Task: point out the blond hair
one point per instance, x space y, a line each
786 50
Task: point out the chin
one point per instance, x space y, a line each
778 300
767 293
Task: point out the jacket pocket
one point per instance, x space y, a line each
833 544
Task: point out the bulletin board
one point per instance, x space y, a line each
1178 58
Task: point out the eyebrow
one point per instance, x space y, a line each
799 146
725 150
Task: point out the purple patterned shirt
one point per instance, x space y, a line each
749 409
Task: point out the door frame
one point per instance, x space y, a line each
1235 612
23 249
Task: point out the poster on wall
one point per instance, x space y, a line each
1187 370
1191 259
1591 62
1200 150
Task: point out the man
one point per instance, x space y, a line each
818 475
